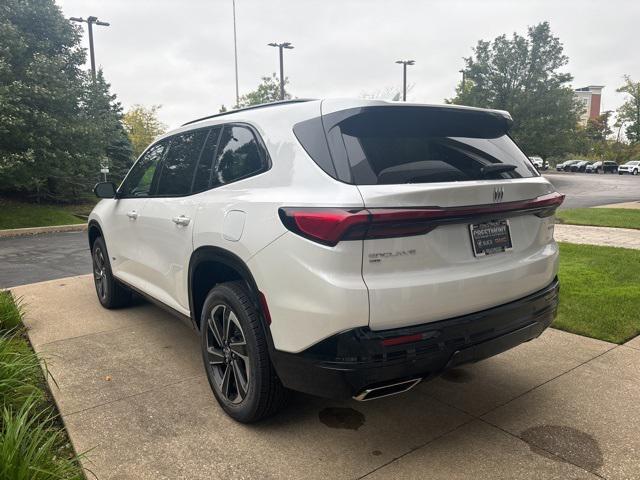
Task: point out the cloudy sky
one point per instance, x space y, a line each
180 53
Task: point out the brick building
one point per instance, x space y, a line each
591 98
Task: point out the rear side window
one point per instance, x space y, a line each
239 155
180 163
203 175
399 145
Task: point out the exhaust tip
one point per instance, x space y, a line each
387 390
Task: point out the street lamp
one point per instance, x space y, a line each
281 46
91 21
404 64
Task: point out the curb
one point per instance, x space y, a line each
21 232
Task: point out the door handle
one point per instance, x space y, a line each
132 214
181 220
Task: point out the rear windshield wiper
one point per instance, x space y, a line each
497 168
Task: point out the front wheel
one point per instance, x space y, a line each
111 293
236 356
635 172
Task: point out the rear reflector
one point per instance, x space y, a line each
331 225
389 342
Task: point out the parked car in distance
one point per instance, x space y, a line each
579 166
342 248
565 166
632 167
539 163
606 166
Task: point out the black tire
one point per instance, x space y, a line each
111 293
253 390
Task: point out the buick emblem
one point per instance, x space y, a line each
498 193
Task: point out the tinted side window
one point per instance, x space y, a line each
140 180
180 163
239 155
205 165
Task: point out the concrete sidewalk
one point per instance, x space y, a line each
132 393
603 236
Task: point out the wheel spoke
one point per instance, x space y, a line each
226 324
226 382
240 349
213 326
216 357
241 381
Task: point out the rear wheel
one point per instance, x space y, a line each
236 357
111 293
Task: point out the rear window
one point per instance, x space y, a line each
400 145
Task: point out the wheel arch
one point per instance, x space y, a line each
209 266
94 230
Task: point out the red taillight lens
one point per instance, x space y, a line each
325 225
331 225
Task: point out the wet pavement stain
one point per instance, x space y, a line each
573 445
337 417
457 375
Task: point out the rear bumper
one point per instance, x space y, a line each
345 364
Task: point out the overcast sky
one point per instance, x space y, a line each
180 53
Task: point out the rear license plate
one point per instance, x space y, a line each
490 237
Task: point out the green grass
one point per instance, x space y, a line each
14 214
33 442
599 292
10 311
601 217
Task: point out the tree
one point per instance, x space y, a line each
598 128
267 92
629 111
522 75
142 126
56 125
104 119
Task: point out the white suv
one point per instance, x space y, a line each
339 248
632 167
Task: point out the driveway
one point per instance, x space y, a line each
132 392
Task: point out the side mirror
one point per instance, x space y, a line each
105 190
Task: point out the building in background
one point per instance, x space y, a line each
591 98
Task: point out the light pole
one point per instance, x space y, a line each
281 46
235 51
404 64
91 21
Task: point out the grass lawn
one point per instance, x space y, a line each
601 217
14 214
599 292
33 441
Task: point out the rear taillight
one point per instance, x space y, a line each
332 225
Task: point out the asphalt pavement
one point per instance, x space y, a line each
37 258
43 257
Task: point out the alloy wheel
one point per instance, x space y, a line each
227 353
100 272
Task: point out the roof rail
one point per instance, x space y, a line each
252 107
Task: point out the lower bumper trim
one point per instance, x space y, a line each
359 360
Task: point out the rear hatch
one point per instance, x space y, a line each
461 219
